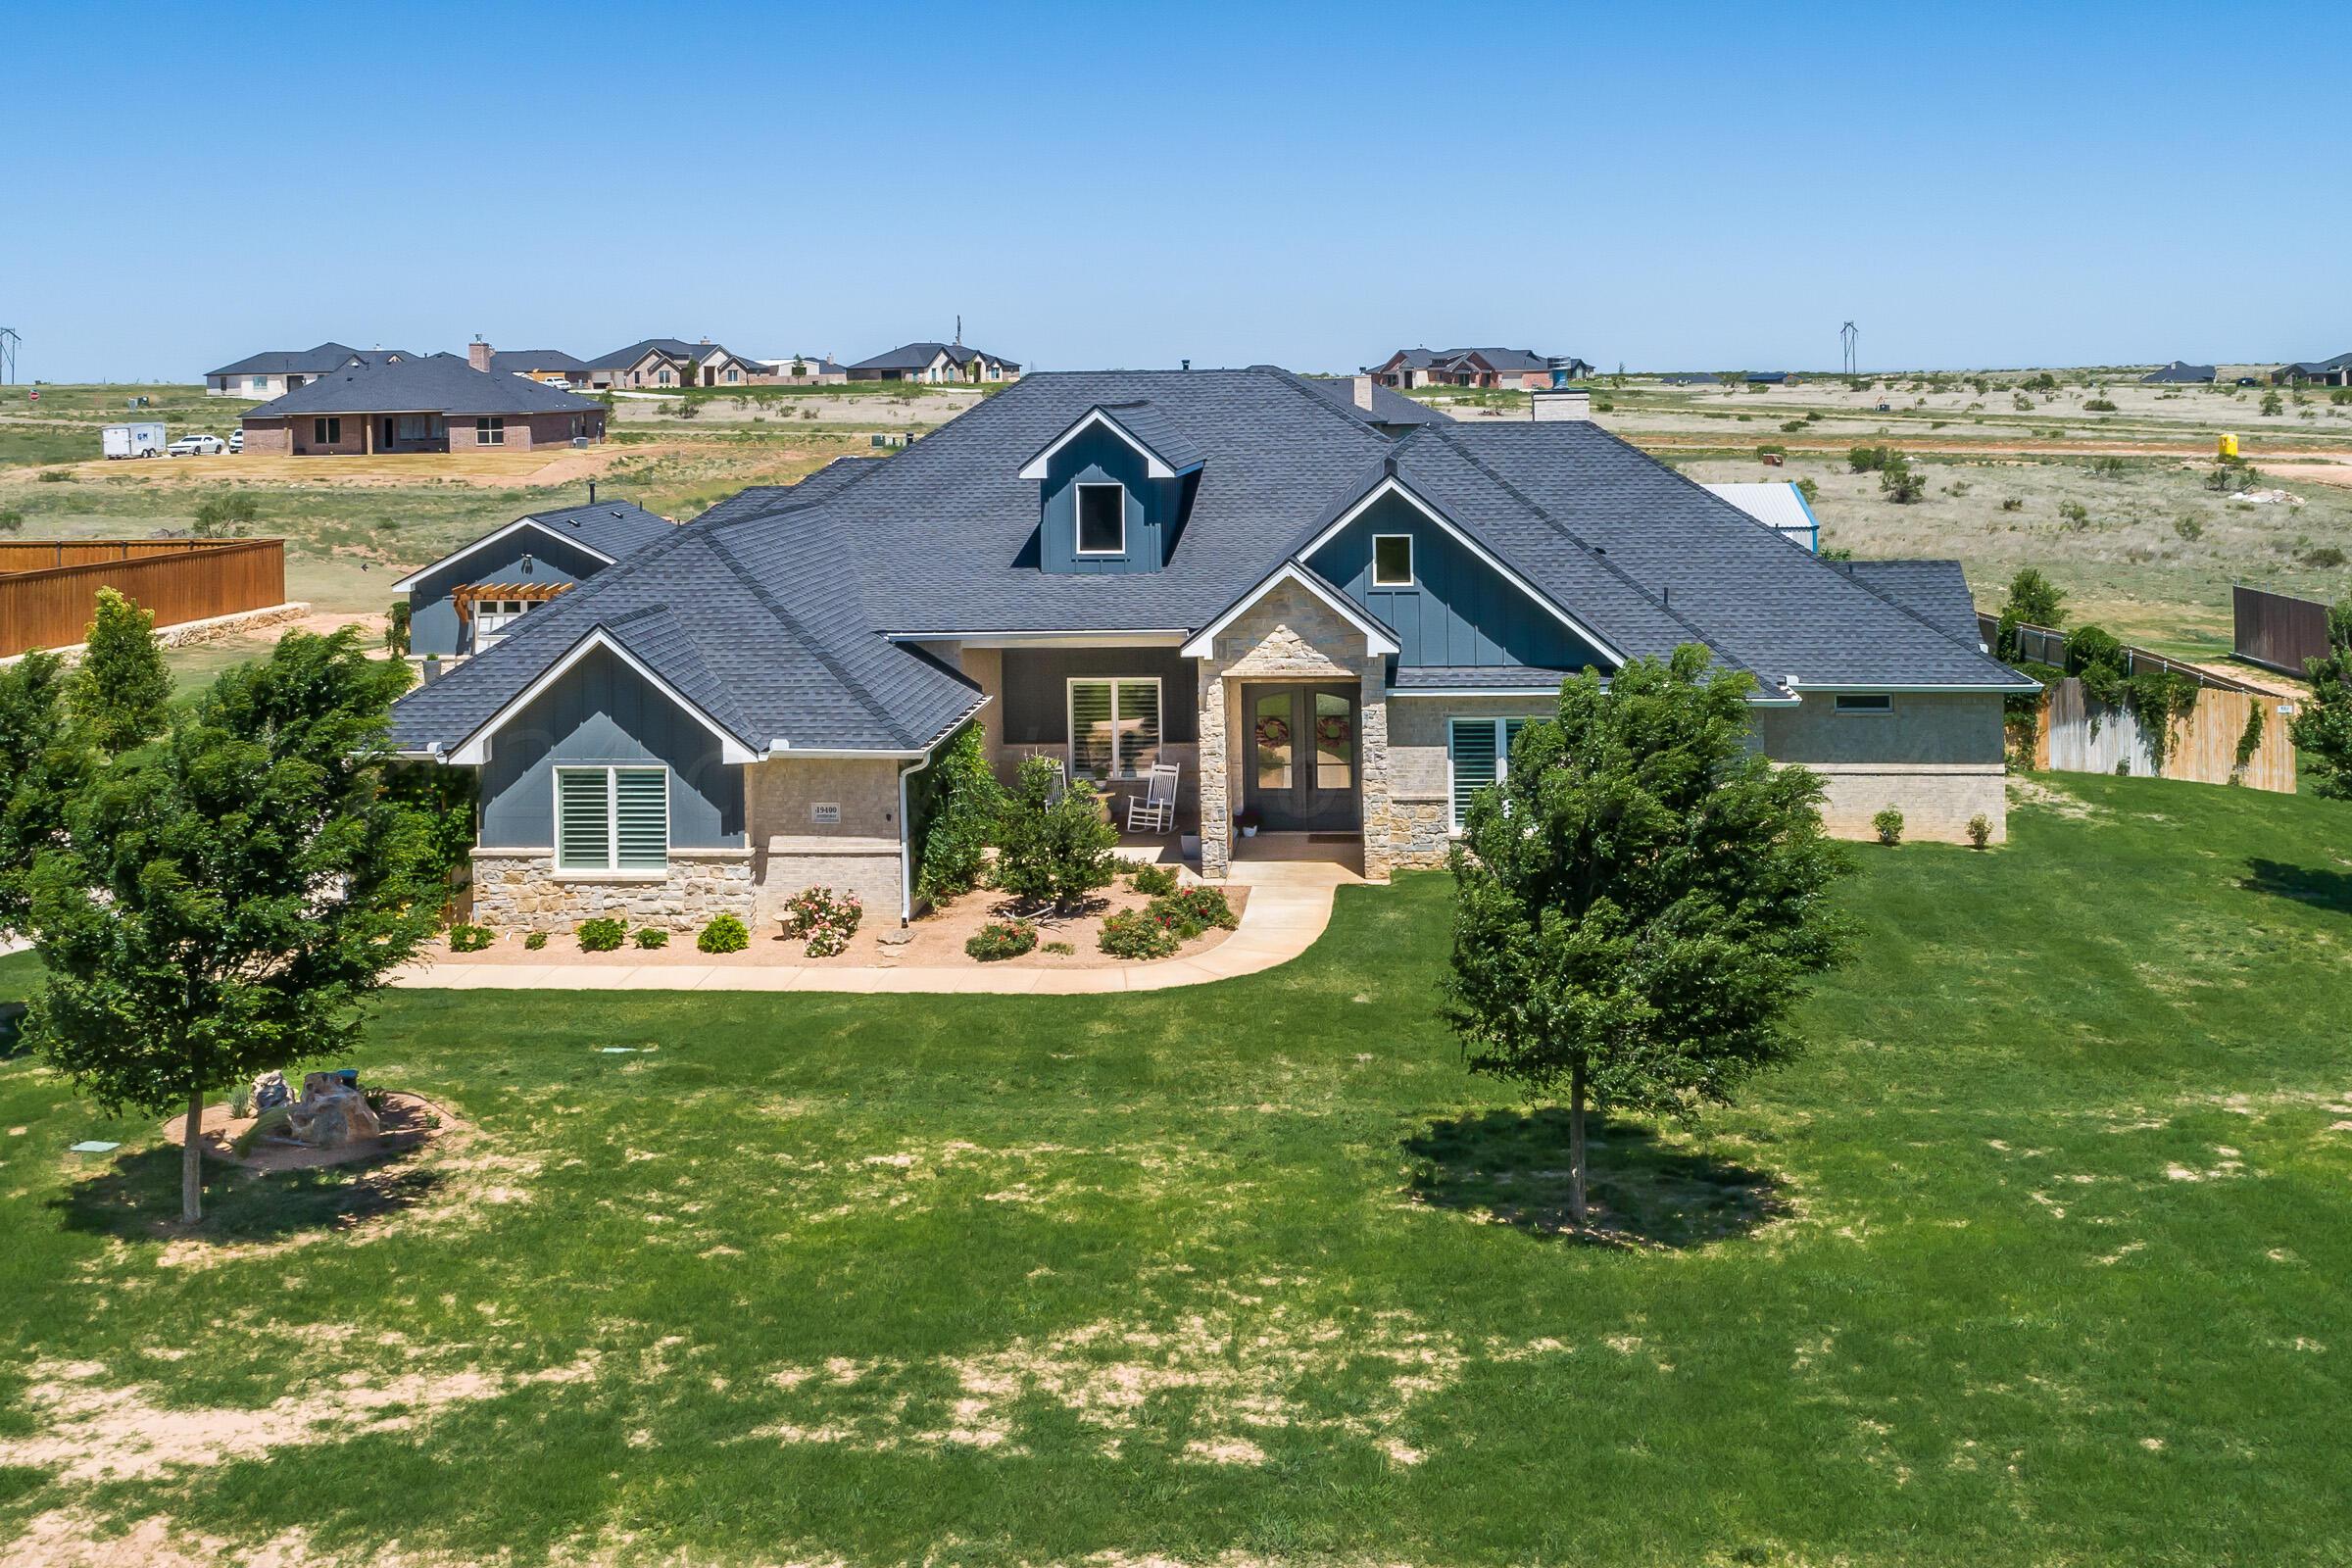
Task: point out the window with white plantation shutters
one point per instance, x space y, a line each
1114 728
1480 750
611 818
641 806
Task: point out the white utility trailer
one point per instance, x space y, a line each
143 438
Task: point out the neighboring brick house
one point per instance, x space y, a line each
807 370
2316 372
436 403
1330 616
659 363
277 371
937 364
1519 369
464 602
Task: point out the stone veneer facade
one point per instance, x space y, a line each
518 889
1290 635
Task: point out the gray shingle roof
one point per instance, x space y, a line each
613 528
2181 370
305 362
787 598
1387 407
440 383
515 360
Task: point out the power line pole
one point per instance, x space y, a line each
9 339
1846 335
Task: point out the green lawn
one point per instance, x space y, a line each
2040 1257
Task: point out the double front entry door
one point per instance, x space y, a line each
1303 758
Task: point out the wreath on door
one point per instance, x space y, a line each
1273 733
1330 731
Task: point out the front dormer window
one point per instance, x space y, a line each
1101 519
1392 561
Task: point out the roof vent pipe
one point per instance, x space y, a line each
592 492
1188 364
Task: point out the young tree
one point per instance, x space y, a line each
1640 899
1054 851
966 801
229 897
120 691
2322 727
41 769
2035 600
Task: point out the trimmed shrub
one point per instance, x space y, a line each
1154 880
1000 939
1053 851
1980 830
535 941
601 935
464 938
725 932
1889 823
1137 933
824 919
651 936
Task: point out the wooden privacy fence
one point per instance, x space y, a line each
2278 631
49 592
2078 735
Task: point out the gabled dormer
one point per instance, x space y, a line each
1112 490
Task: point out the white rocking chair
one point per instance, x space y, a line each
1154 811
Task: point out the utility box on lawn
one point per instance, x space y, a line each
144 439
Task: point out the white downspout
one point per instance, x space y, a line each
906 846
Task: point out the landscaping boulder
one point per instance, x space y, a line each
270 1091
331 1113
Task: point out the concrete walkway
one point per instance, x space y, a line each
1290 903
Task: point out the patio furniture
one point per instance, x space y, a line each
1154 811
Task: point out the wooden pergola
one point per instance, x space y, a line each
466 594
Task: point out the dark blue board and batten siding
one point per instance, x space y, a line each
433 625
1459 611
601 711
1153 506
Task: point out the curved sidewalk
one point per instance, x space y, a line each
1290 905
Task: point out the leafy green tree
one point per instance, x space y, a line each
2323 726
120 692
966 801
218 516
397 625
41 769
1640 899
1054 844
229 897
2033 601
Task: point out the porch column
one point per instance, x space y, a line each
1216 800
1382 829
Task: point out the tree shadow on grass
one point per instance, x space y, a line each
1510 1169
137 1198
2314 885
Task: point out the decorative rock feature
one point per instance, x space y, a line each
331 1113
270 1091
517 890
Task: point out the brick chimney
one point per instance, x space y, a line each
477 353
1361 387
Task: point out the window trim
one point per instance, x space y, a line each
1503 756
490 431
1412 574
1069 719
611 870
1863 704
1078 518
327 430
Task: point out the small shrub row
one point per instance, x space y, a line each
464 938
1139 933
1154 880
1194 909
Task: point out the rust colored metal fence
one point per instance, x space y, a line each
2277 630
49 591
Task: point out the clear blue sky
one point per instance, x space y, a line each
1129 185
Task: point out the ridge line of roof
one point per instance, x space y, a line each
817 647
1599 557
